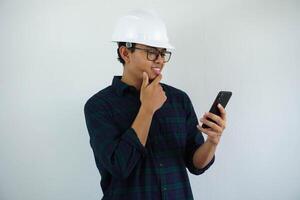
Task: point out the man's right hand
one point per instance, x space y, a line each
152 95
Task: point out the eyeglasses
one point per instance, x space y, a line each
153 54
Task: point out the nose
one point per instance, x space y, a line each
160 59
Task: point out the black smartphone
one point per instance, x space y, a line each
222 98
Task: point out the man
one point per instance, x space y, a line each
144 133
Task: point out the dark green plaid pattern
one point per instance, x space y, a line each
128 169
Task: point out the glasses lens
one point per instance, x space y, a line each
153 55
166 56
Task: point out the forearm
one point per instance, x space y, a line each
204 154
141 124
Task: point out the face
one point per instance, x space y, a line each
138 63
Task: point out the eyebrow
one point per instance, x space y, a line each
154 48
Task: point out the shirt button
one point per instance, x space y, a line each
164 188
160 164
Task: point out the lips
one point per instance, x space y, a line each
156 70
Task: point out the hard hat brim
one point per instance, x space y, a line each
151 44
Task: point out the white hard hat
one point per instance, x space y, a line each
143 27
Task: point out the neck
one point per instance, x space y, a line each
131 80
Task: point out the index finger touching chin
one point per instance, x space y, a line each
157 79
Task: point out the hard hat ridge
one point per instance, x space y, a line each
143 27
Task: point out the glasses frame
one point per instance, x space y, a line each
157 53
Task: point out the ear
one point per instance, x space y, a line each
124 52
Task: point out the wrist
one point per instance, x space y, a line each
211 143
146 111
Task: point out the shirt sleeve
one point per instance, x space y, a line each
194 138
117 152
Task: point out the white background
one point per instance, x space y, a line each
55 54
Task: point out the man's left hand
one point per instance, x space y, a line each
216 127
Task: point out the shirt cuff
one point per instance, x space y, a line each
130 136
197 171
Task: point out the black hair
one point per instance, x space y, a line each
131 49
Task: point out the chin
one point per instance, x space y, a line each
152 76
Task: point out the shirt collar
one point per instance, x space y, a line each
121 88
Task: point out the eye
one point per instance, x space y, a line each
153 52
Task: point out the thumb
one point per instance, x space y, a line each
145 80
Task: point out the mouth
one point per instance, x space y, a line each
156 70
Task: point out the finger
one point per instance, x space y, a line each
157 80
215 118
222 111
145 80
211 124
209 132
